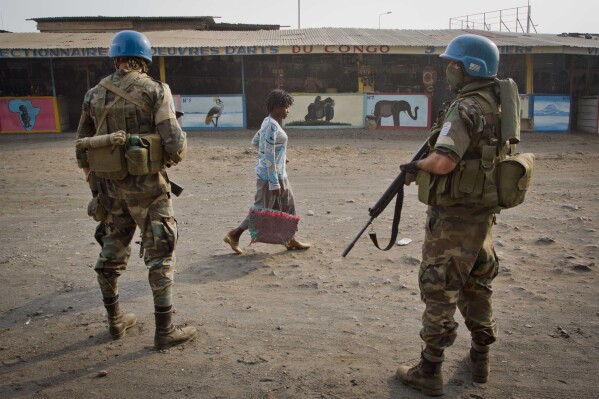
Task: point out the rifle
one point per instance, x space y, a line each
395 189
175 188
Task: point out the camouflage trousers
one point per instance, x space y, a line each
158 227
458 266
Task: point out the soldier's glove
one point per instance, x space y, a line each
411 168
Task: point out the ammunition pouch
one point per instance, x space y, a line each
472 182
115 162
145 159
484 182
514 176
137 161
108 162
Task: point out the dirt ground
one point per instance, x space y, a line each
279 324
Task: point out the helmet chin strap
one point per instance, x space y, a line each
456 83
455 77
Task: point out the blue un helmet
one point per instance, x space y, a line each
479 56
129 43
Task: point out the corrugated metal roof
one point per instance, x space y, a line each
106 18
290 37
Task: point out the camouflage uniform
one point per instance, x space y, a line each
458 259
136 201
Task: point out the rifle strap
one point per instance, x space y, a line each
394 225
122 93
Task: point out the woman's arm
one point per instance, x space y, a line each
269 141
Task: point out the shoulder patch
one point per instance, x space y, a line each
445 129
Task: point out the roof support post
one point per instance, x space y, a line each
529 74
52 78
162 69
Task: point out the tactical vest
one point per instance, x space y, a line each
490 174
123 115
472 182
141 155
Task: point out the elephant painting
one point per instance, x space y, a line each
385 108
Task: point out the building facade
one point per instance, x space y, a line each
339 77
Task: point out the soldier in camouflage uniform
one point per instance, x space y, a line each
458 259
124 105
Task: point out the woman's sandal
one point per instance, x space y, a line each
234 244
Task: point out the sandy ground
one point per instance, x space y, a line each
279 324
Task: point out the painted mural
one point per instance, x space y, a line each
551 113
399 110
524 106
29 115
320 110
211 112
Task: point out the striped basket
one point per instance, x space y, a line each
271 226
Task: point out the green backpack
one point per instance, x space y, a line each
514 170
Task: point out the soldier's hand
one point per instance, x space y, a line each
411 167
411 170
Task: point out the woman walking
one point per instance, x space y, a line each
272 185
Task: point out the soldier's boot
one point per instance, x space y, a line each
167 334
478 362
118 321
425 376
